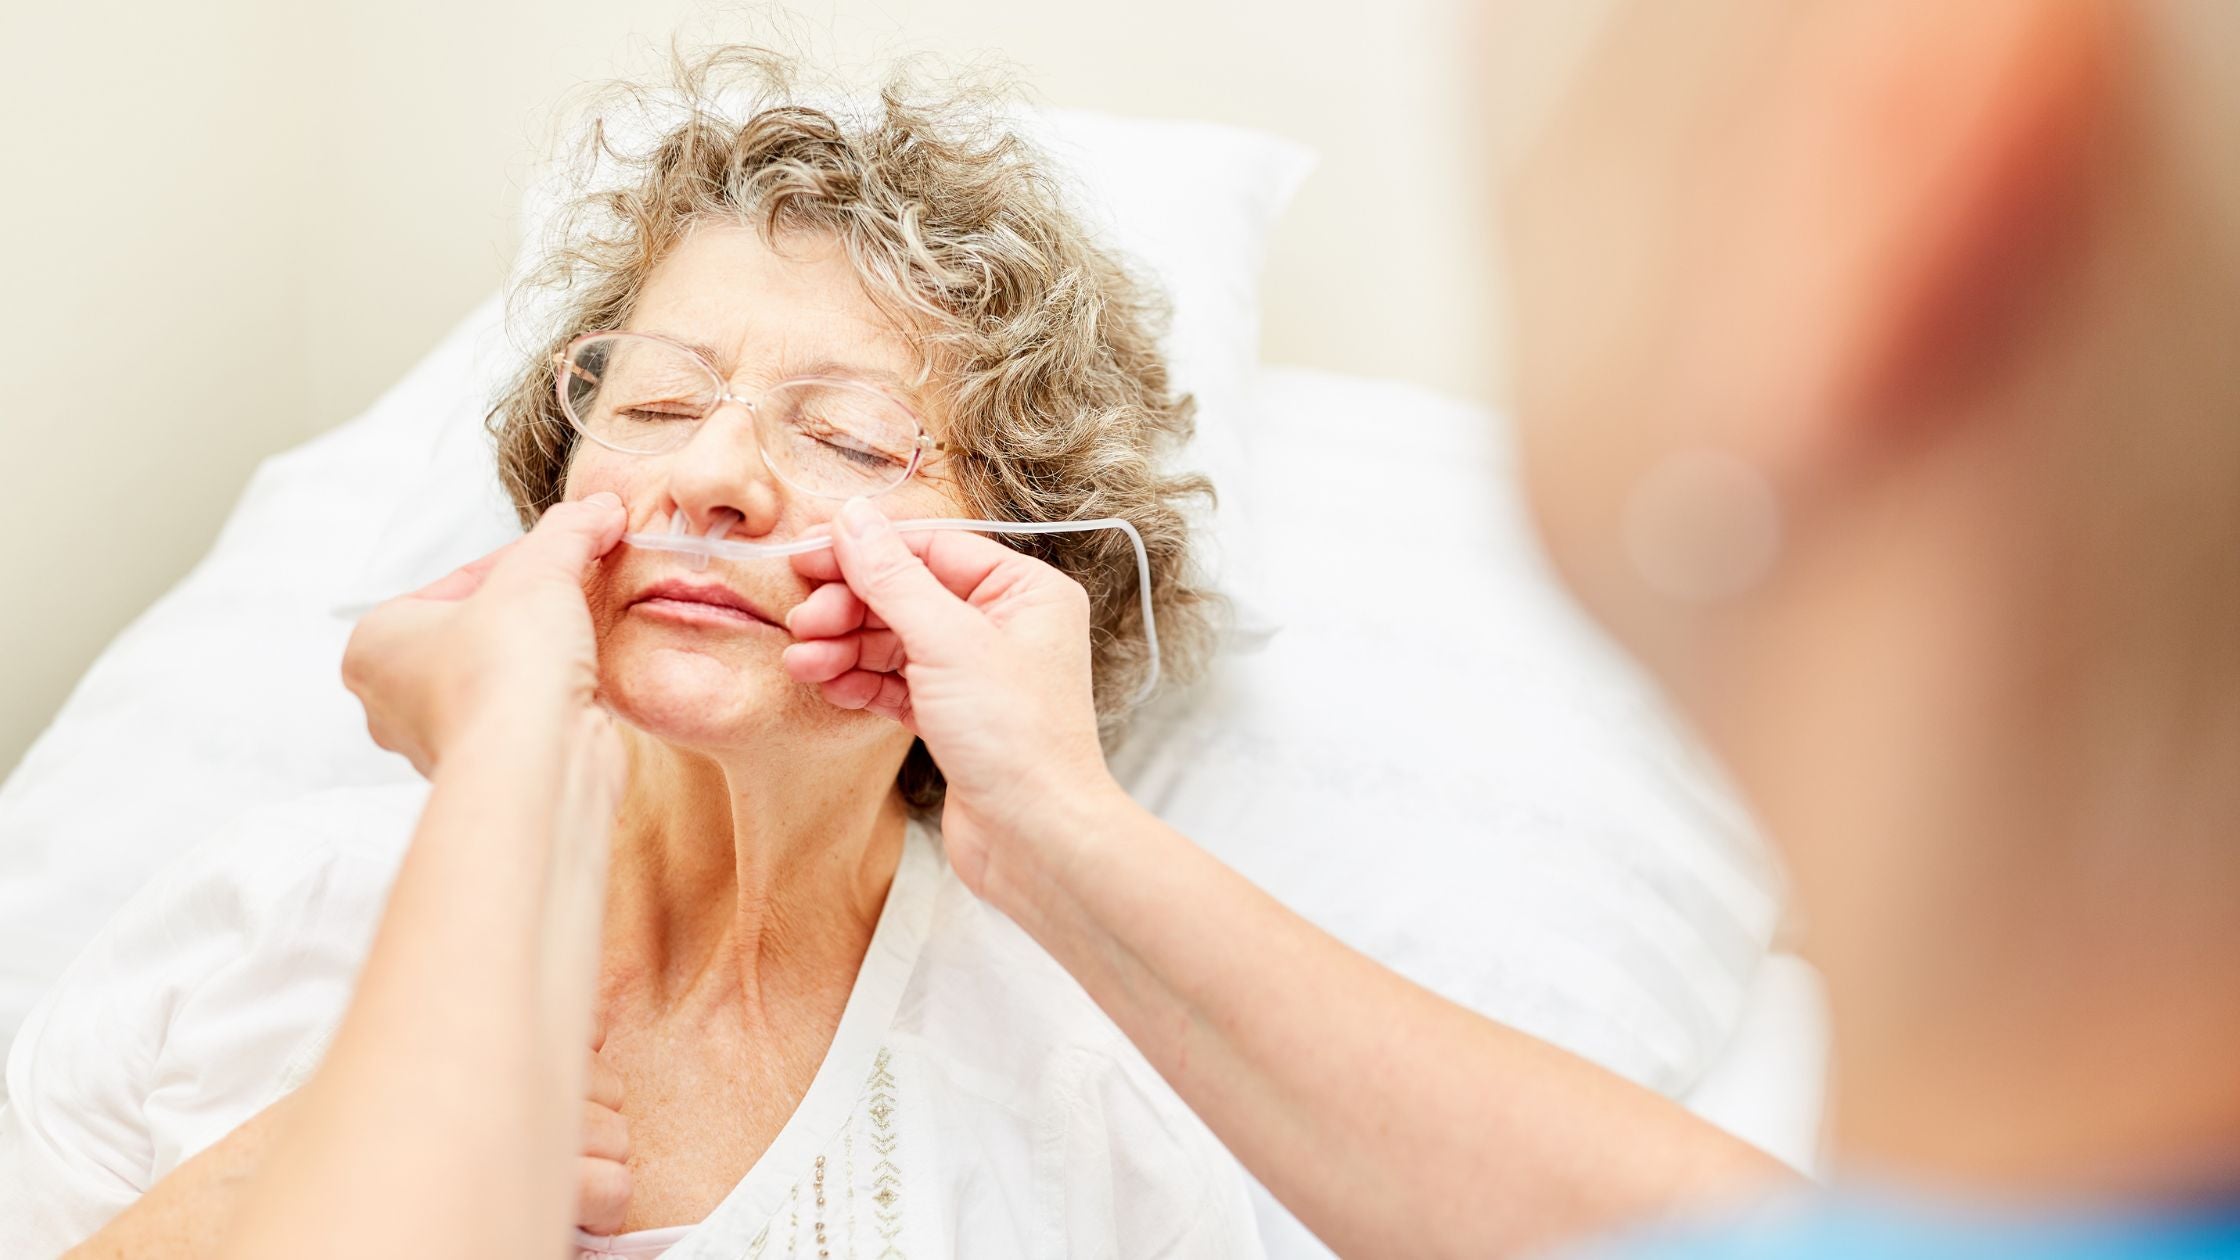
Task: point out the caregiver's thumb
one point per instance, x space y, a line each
893 582
993 673
507 634
567 538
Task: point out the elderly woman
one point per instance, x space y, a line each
815 1041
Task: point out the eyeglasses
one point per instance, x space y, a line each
826 436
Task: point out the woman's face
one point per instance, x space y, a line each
689 672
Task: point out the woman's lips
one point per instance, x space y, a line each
700 604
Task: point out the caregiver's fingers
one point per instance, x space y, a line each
822 660
602 1084
918 592
829 611
569 536
880 651
602 1195
884 694
959 559
819 660
893 580
606 1135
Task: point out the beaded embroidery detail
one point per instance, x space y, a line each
876 1116
886 1175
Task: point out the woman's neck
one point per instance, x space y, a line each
748 881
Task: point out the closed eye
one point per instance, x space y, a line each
854 449
868 459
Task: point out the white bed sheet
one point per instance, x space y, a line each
1769 1084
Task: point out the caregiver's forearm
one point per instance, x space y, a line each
446 1109
1391 1121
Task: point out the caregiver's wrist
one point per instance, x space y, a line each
1040 855
523 741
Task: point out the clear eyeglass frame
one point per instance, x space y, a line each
921 445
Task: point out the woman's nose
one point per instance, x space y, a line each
721 472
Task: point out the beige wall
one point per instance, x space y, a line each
231 223
150 242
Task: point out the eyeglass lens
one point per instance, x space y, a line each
644 396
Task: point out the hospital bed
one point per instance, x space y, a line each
1535 841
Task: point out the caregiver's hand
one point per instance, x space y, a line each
603 1170
980 651
509 632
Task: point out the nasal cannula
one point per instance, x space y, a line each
703 546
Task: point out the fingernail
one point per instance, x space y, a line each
858 519
605 499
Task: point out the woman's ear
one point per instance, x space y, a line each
1915 171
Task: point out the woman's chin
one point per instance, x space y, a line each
695 699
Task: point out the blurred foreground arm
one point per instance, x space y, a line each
475 1002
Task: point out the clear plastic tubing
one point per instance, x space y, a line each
702 547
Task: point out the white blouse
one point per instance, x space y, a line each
974 1102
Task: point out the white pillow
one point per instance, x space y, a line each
1190 204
